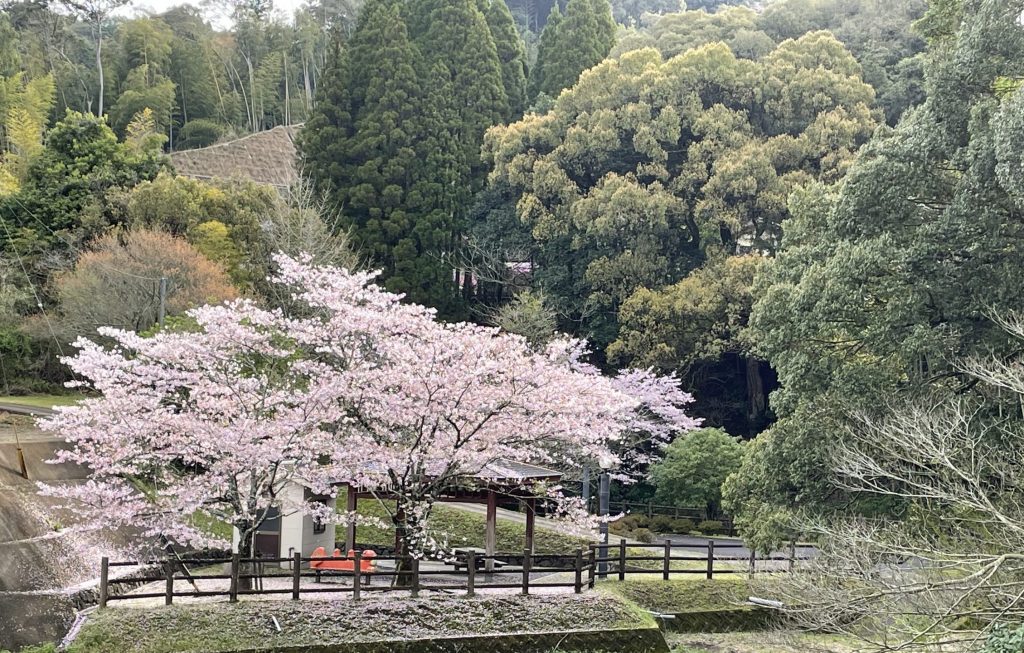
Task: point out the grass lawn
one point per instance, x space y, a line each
41 401
683 595
250 625
460 528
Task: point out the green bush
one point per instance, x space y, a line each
199 133
1005 640
634 521
711 527
642 535
662 524
683 526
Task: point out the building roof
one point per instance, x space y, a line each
267 157
508 470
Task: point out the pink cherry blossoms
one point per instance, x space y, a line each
358 388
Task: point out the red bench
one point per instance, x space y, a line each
343 565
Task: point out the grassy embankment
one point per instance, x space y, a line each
41 401
287 625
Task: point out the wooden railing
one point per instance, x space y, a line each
624 559
616 561
416 579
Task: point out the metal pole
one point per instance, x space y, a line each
163 301
586 486
602 566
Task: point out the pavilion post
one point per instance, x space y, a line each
351 502
531 516
491 539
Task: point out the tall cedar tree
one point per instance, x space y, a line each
322 142
457 37
580 41
367 146
548 36
511 54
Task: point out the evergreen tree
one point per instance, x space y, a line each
323 140
581 40
511 54
548 38
367 145
457 37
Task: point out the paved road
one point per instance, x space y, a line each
728 548
22 409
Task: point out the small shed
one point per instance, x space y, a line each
289 531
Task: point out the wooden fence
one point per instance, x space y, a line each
604 561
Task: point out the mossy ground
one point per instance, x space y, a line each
762 642
683 595
213 628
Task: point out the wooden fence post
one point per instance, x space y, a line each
357 575
296 574
415 589
668 559
527 564
592 574
622 558
711 558
753 562
233 590
169 590
471 571
650 508
579 570
792 554
104 576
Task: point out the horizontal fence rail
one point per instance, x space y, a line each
599 561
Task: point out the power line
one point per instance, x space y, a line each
77 249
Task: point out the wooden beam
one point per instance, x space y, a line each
531 514
351 504
491 540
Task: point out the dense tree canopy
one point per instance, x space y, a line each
879 35
648 166
884 280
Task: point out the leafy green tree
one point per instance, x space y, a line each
65 197
528 315
694 467
678 32
881 282
142 90
511 54
880 36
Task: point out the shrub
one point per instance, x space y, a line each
642 535
634 521
199 133
683 526
1005 640
662 524
711 527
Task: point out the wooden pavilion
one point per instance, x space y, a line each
499 482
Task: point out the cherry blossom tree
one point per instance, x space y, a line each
356 387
